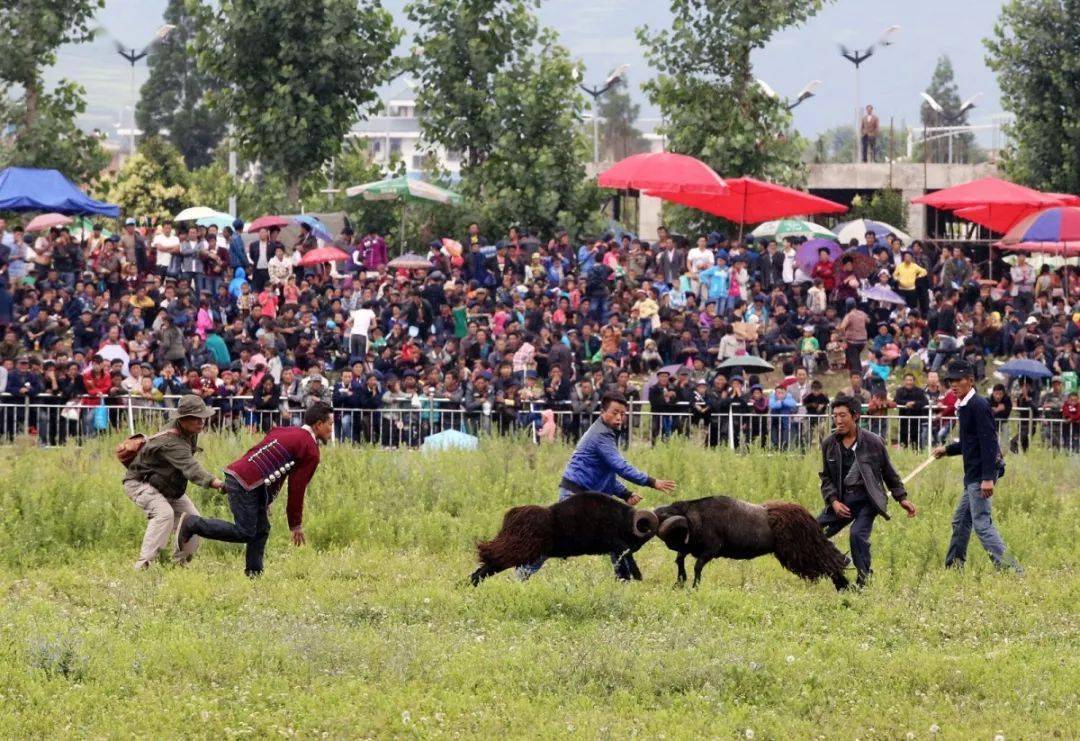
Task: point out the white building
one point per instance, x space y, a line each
395 136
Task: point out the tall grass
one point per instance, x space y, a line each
372 632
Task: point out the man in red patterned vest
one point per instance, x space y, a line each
253 480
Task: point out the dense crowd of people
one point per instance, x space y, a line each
500 334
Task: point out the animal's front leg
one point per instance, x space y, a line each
680 563
699 564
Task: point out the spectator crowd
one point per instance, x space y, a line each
519 332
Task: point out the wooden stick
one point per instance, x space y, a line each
919 470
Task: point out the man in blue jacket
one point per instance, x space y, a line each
978 445
597 465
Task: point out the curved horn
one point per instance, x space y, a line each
676 522
645 522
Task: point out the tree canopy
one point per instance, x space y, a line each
296 77
943 89
1035 51
173 98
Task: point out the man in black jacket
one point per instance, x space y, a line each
978 445
855 469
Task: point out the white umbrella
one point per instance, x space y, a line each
780 228
197 212
858 228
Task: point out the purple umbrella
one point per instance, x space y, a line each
807 253
883 294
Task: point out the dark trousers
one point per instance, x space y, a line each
853 355
252 524
260 278
863 513
869 147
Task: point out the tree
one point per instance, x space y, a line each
619 137
1037 60
459 50
943 90
44 132
173 97
496 87
886 205
53 141
152 183
295 77
712 107
534 174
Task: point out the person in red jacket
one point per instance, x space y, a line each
253 480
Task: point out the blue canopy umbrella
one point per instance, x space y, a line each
28 189
1026 368
450 440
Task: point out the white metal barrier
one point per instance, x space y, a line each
53 421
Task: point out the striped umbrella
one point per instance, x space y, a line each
1054 231
781 228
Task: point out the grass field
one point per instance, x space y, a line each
371 631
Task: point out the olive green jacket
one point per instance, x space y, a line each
167 462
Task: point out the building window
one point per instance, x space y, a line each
376 146
453 155
418 162
395 146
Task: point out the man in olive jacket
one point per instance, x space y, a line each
855 469
157 478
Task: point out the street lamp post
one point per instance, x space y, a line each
806 93
595 92
950 121
132 56
857 57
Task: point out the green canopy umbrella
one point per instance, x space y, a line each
404 189
781 228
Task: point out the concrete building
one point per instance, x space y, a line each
395 136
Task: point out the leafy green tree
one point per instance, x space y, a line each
1035 54
173 97
712 108
619 137
460 48
886 205
53 140
43 122
943 89
153 183
295 77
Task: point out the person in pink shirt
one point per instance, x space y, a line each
268 301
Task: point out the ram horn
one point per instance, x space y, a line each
645 522
676 523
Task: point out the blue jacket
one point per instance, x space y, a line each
978 442
596 464
238 257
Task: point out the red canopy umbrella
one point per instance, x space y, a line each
321 255
1064 249
749 201
987 192
267 222
664 171
1004 216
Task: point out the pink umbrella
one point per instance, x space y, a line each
47 221
321 255
267 222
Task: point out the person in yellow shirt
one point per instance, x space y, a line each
647 308
905 274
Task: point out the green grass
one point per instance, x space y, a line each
370 631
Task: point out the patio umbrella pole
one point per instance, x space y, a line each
402 246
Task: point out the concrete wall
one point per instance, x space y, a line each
911 179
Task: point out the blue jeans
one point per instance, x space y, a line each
622 563
973 511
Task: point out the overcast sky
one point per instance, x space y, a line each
601 33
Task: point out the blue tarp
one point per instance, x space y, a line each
25 189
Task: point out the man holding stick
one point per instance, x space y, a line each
983 466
